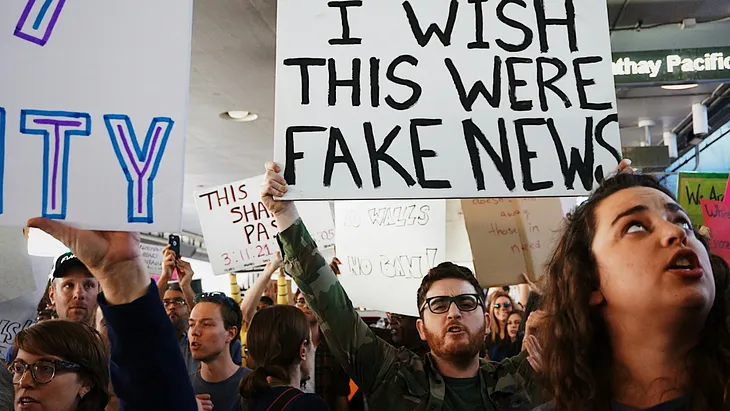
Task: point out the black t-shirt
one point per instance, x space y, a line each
223 394
463 394
303 402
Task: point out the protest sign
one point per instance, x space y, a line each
444 99
717 219
15 268
240 232
511 236
692 188
152 257
386 248
93 112
20 313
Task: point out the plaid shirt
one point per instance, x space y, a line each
330 379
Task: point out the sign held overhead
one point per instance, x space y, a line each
439 98
97 141
240 232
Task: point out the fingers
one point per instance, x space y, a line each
271 166
203 396
59 231
532 345
625 167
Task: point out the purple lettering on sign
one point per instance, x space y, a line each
38 20
139 163
56 127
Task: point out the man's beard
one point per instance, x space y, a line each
459 354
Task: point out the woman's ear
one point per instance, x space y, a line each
597 298
86 387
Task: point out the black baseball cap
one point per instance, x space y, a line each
67 263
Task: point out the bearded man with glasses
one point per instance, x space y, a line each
453 321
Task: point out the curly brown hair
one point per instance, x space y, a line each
576 343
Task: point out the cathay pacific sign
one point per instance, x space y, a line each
671 66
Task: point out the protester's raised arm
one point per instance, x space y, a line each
147 368
366 358
253 295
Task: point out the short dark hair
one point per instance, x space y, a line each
445 271
74 342
230 311
267 300
174 287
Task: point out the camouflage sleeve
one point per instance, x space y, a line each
516 374
365 358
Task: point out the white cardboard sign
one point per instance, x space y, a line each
386 248
93 100
240 232
444 99
16 272
152 257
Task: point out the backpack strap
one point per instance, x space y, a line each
284 399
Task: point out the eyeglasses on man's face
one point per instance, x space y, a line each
42 371
178 302
442 303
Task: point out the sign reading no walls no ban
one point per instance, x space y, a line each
444 98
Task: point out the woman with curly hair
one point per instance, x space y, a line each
637 318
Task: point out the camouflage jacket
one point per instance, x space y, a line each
392 380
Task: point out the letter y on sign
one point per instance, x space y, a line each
139 164
56 127
38 20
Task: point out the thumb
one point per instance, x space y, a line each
57 230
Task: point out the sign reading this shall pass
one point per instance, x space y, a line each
93 100
444 98
240 232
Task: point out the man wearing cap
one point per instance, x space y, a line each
73 290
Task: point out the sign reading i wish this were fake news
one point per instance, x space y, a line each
444 98
93 98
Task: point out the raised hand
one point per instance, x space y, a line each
185 272
168 261
274 186
274 264
113 257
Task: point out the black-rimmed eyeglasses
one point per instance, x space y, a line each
42 371
178 302
442 303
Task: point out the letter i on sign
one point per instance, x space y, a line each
56 127
38 20
140 164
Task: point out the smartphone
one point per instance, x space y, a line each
175 244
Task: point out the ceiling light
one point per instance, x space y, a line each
240 116
679 87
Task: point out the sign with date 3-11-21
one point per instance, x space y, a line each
239 231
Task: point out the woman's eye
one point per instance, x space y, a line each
684 224
635 228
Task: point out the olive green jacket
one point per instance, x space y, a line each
391 379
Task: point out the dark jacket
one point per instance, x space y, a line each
147 368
